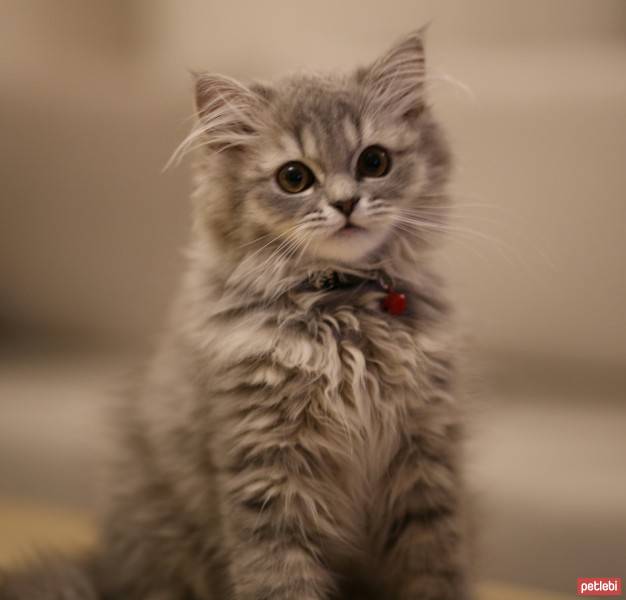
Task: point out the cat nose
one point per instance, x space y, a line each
346 206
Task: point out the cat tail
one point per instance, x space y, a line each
52 578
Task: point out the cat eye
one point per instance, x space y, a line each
374 161
294 177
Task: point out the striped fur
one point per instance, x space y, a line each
290 443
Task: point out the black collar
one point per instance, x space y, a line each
330 279
394 302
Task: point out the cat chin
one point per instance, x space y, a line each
349 246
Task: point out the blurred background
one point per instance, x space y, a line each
94 97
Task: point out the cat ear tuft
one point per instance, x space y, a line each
227 111
395 82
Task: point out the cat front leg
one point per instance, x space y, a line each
274 512
424 540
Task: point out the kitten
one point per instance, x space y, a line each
297 436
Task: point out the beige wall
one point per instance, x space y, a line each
94 97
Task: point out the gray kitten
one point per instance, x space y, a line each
297 436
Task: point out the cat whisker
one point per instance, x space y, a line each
286 235
254 241
507 251
288 248
441 77
414 232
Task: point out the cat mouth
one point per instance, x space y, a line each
350 229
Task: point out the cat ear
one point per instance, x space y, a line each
395 82
228 111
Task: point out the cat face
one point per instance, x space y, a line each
327 167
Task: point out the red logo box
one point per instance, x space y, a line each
599 586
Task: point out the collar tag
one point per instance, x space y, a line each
394 303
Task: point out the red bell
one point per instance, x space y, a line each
394 303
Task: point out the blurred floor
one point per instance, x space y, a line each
546 459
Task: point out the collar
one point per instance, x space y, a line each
327 280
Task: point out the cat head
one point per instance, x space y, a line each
324 168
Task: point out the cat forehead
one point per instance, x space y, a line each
302 100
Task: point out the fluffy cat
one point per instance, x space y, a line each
297 436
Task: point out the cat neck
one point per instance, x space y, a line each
266 277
